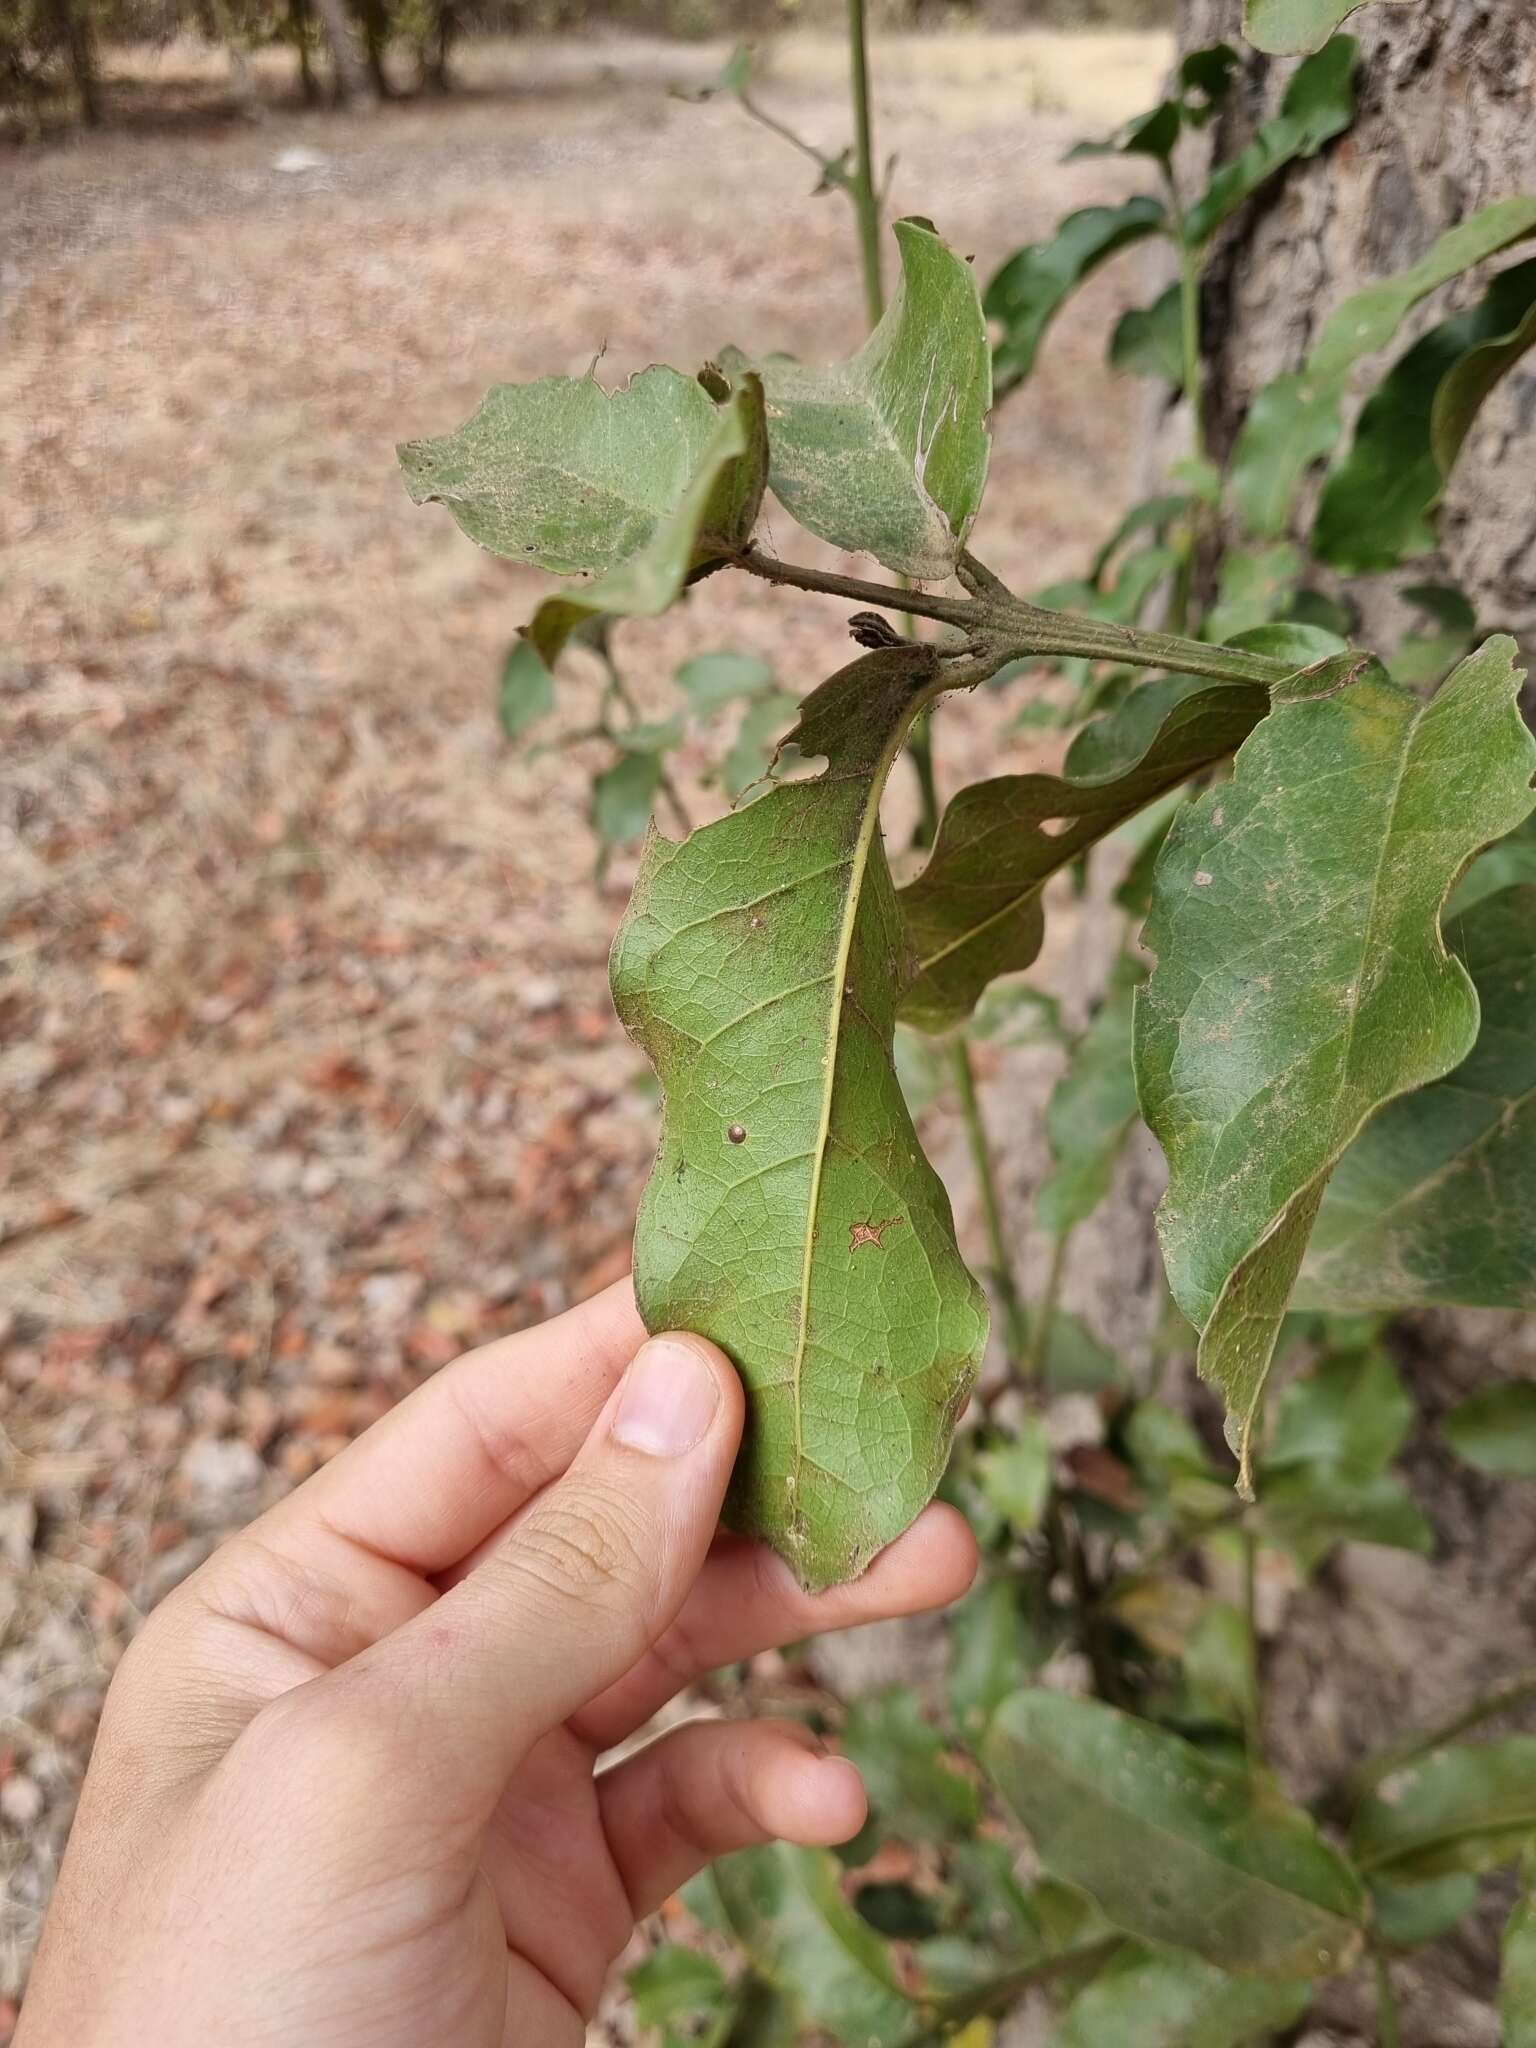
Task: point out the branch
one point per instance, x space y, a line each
1010 629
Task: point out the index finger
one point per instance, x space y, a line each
440 1472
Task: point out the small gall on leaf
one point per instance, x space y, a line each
737 1134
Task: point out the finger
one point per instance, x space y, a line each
747 1600
439 1473
713 1786
585 1582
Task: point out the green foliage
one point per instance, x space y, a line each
975 911
1436 1200
1376 506
1033 285
1091 1109
886 454
685 1995
1297 418
1286 28
1170 1846
1468 1807
913 1790
1319 103
1163 1998
1495 1429
784 1908
1517 1988
1334 1049
1351 810
790 1215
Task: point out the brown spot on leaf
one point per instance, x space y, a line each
737 1134
871 1233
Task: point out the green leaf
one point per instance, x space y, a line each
1292 423
1302 980
1171 1846
1436 1200
1029 290
1016 1476
790 1215
1216 1662
1495 1429
886 454
1368 319
784 1907
1296 419
913 1790
685 1994
993 1645
1350 1412
1157 513
564 475
623 796
1424 658
712 680
1091 1109
526 692
1319 103
1504 865
1286 28
1205 77
712 518
1149 340
975 910
1162 1998
1471 1806
1255 586
1310 1509
1291 640
1517 1976
1407 1915
1377 503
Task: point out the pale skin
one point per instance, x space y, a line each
347 1787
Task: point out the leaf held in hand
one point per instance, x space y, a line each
1301 977
791 1215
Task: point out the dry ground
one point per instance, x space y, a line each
308 1076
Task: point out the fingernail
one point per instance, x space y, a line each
668 1402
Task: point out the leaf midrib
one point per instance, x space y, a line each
859 867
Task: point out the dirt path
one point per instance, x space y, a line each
308 1075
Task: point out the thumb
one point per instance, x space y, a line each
583 1583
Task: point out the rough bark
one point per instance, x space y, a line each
354 88
1447 89
1384 1642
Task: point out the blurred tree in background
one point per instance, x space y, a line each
355 52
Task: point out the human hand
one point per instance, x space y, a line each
345 1787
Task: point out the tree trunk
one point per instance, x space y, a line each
76 32
354 88
437 46
1386 1642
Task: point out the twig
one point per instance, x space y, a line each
1015 1322
1012 629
